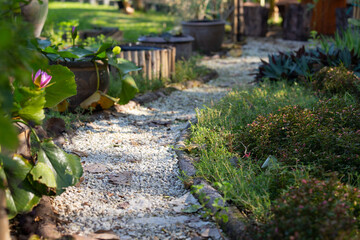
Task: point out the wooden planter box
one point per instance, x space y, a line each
156 61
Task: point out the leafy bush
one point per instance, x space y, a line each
326 136
336 80
315 210
304 63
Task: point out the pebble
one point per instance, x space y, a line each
142 205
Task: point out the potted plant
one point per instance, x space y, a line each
207 30
91 68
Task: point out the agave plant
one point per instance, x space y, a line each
304 63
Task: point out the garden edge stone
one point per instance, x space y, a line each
234 228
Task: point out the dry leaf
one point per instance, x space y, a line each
98 99
80 153
123 178
61 107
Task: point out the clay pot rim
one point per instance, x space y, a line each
203 23
173 39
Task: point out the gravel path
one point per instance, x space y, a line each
131 183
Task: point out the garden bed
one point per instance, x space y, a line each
279 145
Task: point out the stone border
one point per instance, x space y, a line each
234 228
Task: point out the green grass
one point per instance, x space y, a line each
216 131
87 15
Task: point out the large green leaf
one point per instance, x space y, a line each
66 54
63 85
128 89
66 167
20 197
43 180
8 130
123 65
29 104
81 52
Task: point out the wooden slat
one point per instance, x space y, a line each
134 57
172 61
142 61
148 64
158 65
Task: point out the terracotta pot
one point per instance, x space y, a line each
35 13
183 44
86 80
208 35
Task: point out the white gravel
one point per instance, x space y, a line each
131 184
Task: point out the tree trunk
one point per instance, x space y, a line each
4 223
238 22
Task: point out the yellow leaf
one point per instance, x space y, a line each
98 100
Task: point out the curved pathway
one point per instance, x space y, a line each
131 185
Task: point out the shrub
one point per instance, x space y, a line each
330 81
315 210
326 136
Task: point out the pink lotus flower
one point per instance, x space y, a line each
41 79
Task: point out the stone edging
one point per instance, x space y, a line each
234 228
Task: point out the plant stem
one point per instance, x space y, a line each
4 222
98 76
32 130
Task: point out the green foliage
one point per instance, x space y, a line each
348 39
26 180
126 86
301 65
186 70
326 136
331 81
56 93
219 204
315 210
66 168
29 104
20 197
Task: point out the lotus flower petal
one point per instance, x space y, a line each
41 78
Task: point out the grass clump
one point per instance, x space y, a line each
186 70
